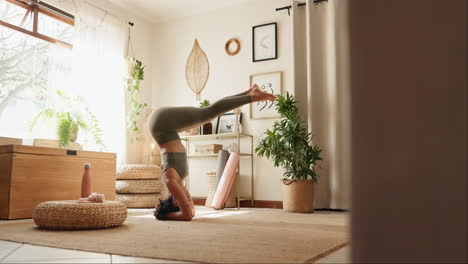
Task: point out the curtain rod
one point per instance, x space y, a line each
41 3
300 4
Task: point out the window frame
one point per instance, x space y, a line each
35 7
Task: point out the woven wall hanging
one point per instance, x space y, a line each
197 69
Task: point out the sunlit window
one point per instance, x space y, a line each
54 28
16 15
30 66
38 19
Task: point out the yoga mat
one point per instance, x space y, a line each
223 156
224 186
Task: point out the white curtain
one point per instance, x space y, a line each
99 46
324 52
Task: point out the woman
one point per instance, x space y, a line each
164 124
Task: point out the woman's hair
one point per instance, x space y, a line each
165 206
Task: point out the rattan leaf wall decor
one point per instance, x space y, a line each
197 69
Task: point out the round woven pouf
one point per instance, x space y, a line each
72 215
137 172
139 186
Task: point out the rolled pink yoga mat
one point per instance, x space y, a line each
224 186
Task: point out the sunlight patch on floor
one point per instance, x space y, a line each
218 214
143 216
202 215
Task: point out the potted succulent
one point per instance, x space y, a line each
71 115
289 145
206 129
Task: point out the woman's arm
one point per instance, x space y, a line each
178 192
192 204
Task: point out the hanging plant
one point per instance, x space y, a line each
135 75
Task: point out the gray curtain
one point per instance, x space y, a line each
321 76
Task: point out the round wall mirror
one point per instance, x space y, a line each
232 47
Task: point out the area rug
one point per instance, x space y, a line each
225 236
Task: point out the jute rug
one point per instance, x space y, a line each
225 236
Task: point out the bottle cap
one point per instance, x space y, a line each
87 165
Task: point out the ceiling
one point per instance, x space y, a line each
157 11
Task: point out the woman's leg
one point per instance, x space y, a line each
167 121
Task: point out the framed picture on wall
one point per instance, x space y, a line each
264 42
227 122
271 82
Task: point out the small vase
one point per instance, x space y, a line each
206 129
237 125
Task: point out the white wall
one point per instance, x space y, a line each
172 43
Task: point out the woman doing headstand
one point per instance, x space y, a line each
164 124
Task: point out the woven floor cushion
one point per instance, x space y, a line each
140 200
72 215
138 172
139 186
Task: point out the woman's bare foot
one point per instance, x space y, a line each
255 86
258 95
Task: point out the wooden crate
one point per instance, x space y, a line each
208 148
30 175
8 141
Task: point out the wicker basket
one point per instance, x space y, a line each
231 201
72 215
140 200
208 148
138 172
211 176
191 132
139 186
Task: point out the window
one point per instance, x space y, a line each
33 61
38 19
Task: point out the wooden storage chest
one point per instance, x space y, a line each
30 175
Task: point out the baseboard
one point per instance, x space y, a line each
257 203
268 204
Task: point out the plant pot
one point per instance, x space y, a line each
206 129
298 196
74 134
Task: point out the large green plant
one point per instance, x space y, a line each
135 76
289 144
70 114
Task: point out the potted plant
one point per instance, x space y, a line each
206 129
289 145
71 115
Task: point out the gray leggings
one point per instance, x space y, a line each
165 122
